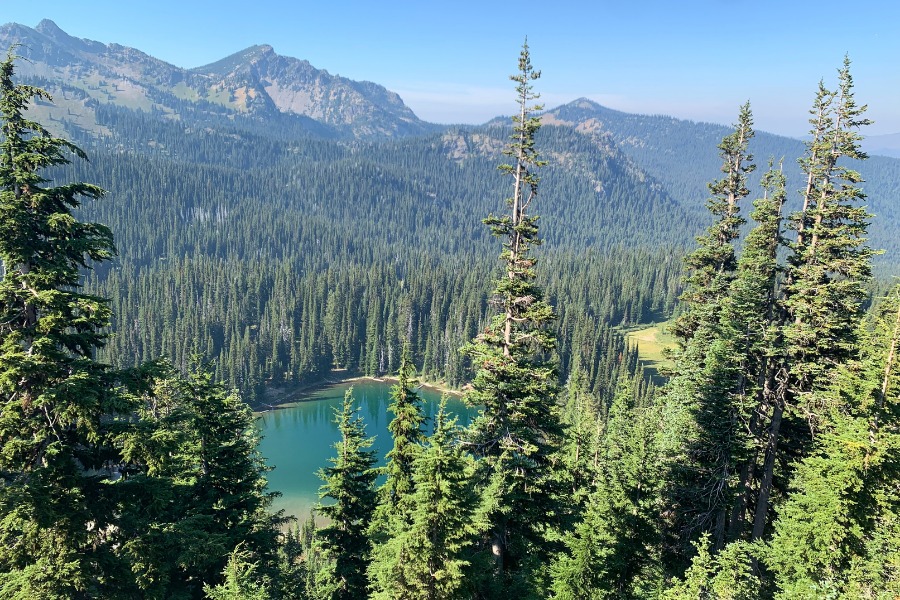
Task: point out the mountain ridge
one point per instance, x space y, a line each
254 82
264 94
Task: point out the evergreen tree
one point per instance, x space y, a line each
312 559
350 484
584 427
406 431
829 265
430 558
518 430
394 513
293 565
52 392
727 575
613 551
712 264
231 485
836 535
704 441
241 582
736 387
193 487
824 283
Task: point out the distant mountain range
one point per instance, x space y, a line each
884 145
255 81
257 94
682 156
270 211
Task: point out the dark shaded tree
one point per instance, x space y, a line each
613 551
193 487
700 394
52 393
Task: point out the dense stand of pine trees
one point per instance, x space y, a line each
766 467
281 260
270 326
278 316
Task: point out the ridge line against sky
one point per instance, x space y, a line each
698 60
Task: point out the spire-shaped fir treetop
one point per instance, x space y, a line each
518 429
713 263
830 264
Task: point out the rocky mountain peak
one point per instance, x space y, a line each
255 81
51 29
52 32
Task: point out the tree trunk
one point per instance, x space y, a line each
765 486
885 381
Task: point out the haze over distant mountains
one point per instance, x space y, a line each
262 94
255 81
283 200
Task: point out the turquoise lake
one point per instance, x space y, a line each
298 438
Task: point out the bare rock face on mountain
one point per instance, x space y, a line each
258 76
136 102
253 82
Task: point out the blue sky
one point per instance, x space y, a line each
694 59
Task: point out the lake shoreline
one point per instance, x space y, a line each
297 439
287 397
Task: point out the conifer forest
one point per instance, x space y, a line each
164 280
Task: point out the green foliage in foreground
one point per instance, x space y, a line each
517 433
766 468
52 395
350 485
113 484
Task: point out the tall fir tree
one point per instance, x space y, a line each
824 285
837 533
584 425
231 488
406 432
752 320
394 513
350 484
830 263
518 430
431 557
703 440
52 392
711 266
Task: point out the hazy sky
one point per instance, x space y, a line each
449 61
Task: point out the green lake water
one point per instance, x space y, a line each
298 439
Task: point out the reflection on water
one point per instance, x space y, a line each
299 439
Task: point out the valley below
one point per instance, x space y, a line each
682 338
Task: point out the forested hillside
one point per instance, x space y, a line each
659 145
261 206
283 260
234 254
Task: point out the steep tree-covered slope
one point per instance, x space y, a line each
659 145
